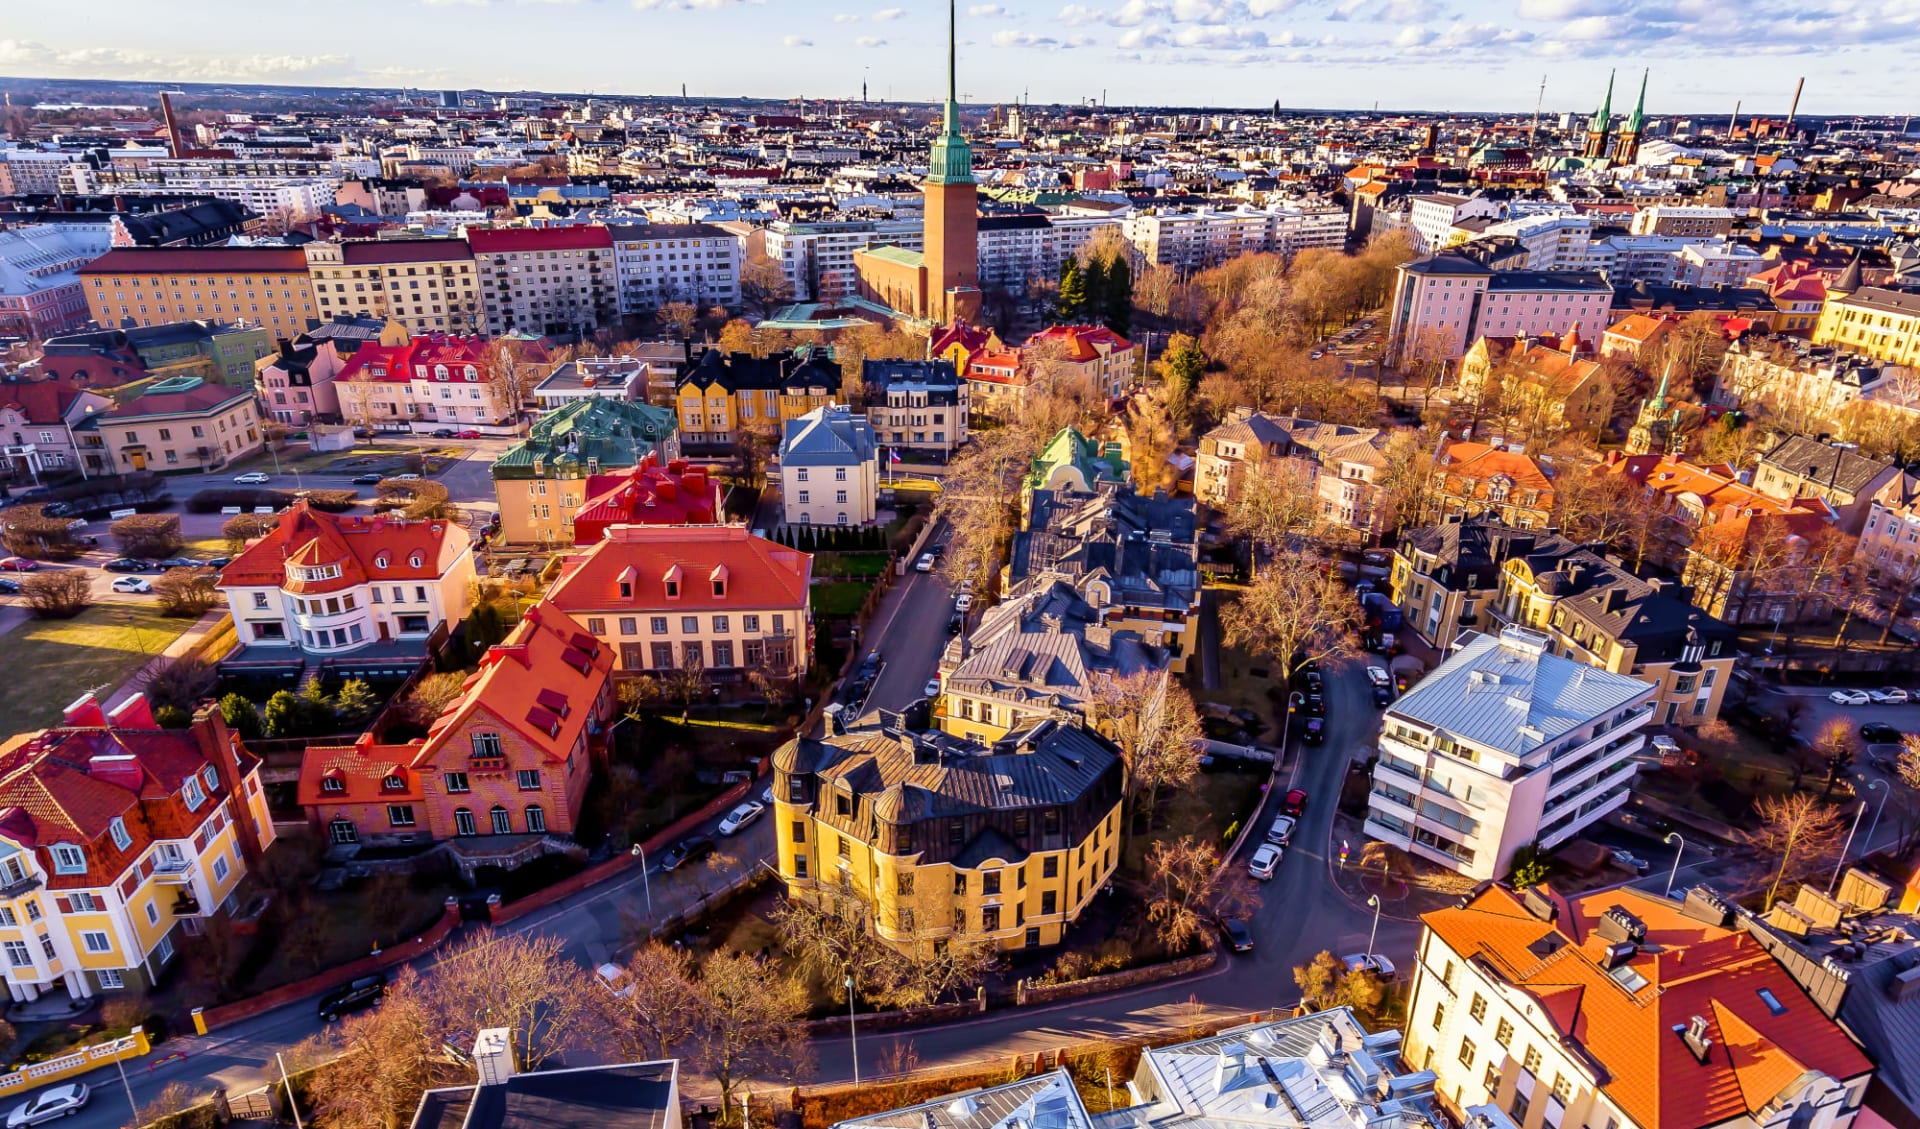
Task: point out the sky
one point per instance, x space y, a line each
1340 54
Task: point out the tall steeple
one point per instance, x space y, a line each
1599 125
1653 431
1640 107
1627 149
952 160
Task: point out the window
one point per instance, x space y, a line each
68 859
463 822
629 625
799 866
457 782
33 910
118 828
1050 867
1492 1080
393 784
192 793
1520 1104
1772 1001
18 955
1447 976
903 883
1049 902
220 868
536 820
7 916
96 941
487 745
499 820
528 779
990 918
84 902
990 882
1466 1052
750 623
1439 1015
1478 1009
657 624
1531 1061
959 883
720 625
400 815
1503 1032
1562 1087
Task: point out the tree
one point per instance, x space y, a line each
753 445
1836 747
187 591
1294 612
1325 982
524 982
1191 891
1151 720
181 682
679 318
148 535
1153 436
431 696
356 701
754 1026
830 933
241 716
684 682
1799 829
1404 494
763 280
637 695
1272 504
979 500
736 337
657 1008
242 528
29 532
1071 302
511 372
1116 299
771 692
378 1063
177 1097
57 595
1596 505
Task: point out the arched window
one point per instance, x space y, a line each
342 831
502 824
463 822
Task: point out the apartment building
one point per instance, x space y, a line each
511 756
948 840
1433 218
423 384
723 394
1890 541
1017 251
658 263
1717 262
1472 479
546 280
1544 387
1503 745
264 286
120 838
181 423
829 469
1444 302
817 258
427 285
345 594
1685 222
41 292
37 430
1621 1007
1837 474
1554 241
1339 465
1107 362
918 405
543 481
1195 240
654 492
713 598
1070 461
1445 577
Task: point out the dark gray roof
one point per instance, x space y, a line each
880 375
1574 280
1903 302
1472 550
1841 468
633 232
1145 546
636 1095
1446 263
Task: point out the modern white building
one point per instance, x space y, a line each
1504 745
1431 217
282 202
1716 262
817 258
1554 241
658 263
829 468
1205 237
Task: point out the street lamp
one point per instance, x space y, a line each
1374 901
1842 860
128 1086
1875 825
853 1037
640 852
1680 848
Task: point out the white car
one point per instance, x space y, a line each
1281 832
963 602
615 979
1378 676
1265 860
1891 696
739 817
1850 697
924 564
132 584
932 688
55 1101
253 478
1371 962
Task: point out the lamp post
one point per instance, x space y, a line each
1374 901
1842 860
128 1086
1679 848
853 1036
646 883
1875 825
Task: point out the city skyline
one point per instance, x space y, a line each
1353 54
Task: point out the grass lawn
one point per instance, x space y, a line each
50 662
851 564
1211 806
840 598
1241 687
347 926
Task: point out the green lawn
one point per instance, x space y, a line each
840 598
851 564
1208 807
50 662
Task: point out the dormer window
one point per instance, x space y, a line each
333 784
719 578
118 829
382 560
416 560
193 793
393 784
672 579
68 859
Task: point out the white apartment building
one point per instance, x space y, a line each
1716 262
1505 744
1690 222
282 202
1195 240
1432 216
32 172
829 468
658 263
817 258
545 279
1627 259
1554 241
460 159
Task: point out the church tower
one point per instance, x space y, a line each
1600 125
1652 432
952 254
1627 149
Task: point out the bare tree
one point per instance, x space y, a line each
1273 503
771 692
431 696
1294 612
1192 890
753 445
754 1027
640 694
1799 829
679 318
684 682
978 499
656 1007
187 591
830 933
1150 718
524 983
57 595
377 1063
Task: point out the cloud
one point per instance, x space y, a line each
1074 15
988 11
1012 37
797 41
886 15
846 18
869 41
1133 13
1563 9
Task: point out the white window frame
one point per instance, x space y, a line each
68 859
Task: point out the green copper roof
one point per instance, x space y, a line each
1070 448
1604 114
952 160
594 435
896 255
1640 107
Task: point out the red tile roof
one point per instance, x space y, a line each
360 770
649 494
200 398
505 240
1081 340
1691 968
1469 467
542 680
366 549
44 401
212 260
758 573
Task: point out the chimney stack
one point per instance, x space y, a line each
493 1056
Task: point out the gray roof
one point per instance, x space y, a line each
1532 280
829 436
635 1095
1511 693
1145 547
1045 1101
1044 647
1823 464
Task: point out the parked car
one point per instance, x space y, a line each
1378 676
685 851
1280 832
1315 732
253 478
1382 697
737 819
359 995
443 433
1316 705
139 586
931 689
217 562
19 564
1239 937
1880 733
54 1101
924 564
181 562
366 479
1850 697
8 585
1623 857
406 478
1265 860
615 979
955 622
128 564
963 602
1376 556
1370 962
1294 802
1888 696
469 433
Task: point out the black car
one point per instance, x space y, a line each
128 564
443 433
217 562
366 480
954 623
1315 732
182 562
1880 733
1316 705
685 851
1239 937
8 585
1383 696
359 995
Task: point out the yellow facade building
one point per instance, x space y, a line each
181 423
263 286
1879 323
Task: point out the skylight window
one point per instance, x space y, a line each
1772 1001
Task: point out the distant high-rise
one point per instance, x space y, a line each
450 100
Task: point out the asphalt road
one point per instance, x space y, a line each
910 631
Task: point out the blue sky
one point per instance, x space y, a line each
1419 54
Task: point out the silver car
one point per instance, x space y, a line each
48 1104
1265 860
739 817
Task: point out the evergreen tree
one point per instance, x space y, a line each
283 714
356 701
240 716
1117 299
172 717
1093 291
1073 291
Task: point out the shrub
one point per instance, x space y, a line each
242 528
29 532
187 591
172 717
57 595
416 498
1530 867
247 498
148 535
182 683
240 716
332 501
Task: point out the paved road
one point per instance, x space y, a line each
910 631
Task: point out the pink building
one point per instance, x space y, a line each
431 382
1445 302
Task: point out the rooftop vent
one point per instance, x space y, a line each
1695 1036
1704 905
1539 905
1618 925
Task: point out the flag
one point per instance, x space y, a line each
893 454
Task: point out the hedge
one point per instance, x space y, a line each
247 498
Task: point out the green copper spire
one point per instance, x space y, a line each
1604 115
951 161
1659 402
1639 108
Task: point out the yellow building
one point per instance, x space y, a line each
945 840
116 838
182 423
264 286
427 285
545 479
1882 324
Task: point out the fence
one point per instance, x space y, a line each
79 1062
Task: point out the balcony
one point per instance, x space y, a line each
20 886
172 871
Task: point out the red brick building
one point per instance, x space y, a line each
649 494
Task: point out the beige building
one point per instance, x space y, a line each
1883 324
182 423
427 285
263 286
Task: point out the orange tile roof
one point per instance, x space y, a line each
367 549
759 573
1715 487
361 770
1479 462
1691 968
542 680
1638 327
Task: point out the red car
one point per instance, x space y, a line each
467 435
19 564
1294 802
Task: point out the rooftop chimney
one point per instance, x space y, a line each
1695 1036
493 1056
134 713
85 711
